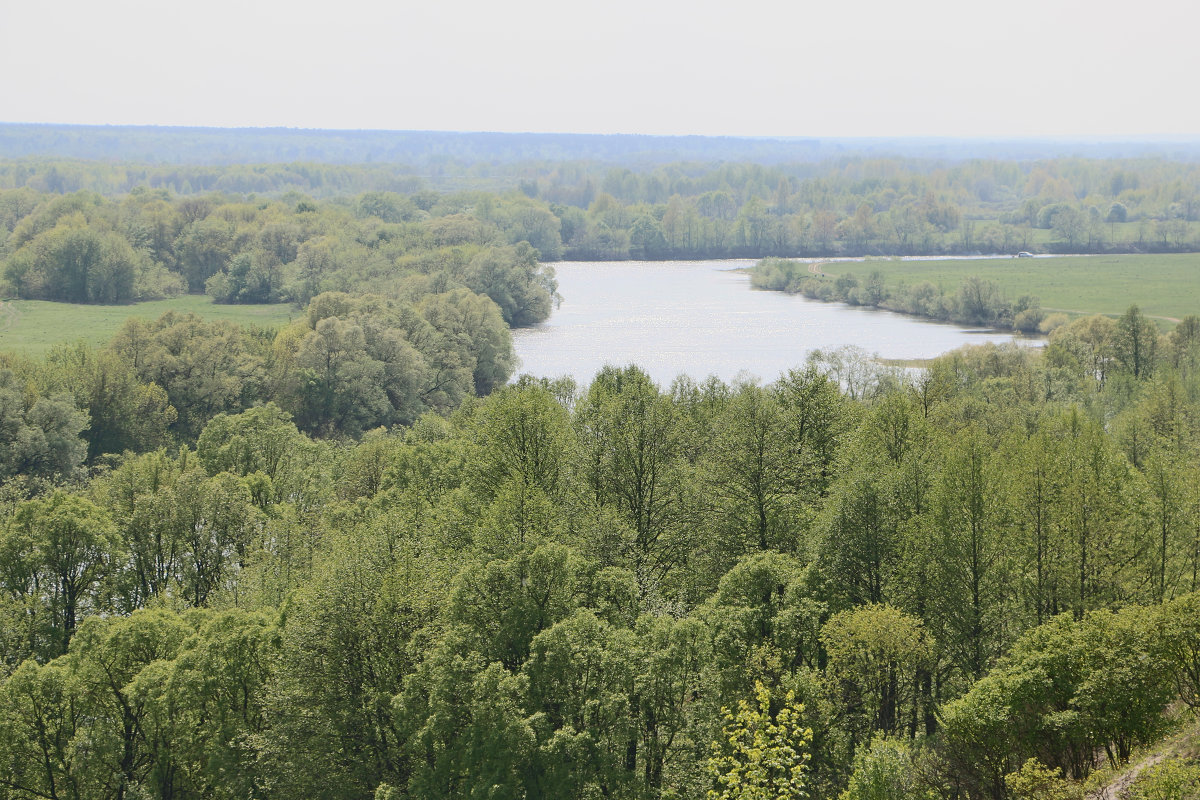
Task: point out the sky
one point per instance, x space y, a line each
1023 68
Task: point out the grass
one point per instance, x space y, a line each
34 326
1165 287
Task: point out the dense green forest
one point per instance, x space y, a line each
147 221
240 563
351 557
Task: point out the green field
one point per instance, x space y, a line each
1166 287
34 326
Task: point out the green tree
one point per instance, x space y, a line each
1136 343
874 654
630 457
762 753
70 549
39 438
885 771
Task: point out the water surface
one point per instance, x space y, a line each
702 318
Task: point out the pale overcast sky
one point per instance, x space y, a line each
741 67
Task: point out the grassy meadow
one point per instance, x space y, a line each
34 326
1166 287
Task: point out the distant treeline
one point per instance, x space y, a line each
181 145
977 301
855 206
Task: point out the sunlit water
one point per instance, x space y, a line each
702 318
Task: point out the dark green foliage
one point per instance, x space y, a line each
39 437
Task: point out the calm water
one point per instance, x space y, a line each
702 318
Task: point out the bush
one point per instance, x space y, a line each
1029 320
1052 322
1172 779
1035 781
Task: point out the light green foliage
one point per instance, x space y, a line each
524 436
753 474
206 368
155 703
60 551
579 671
763 752
39 724
505 603
778 274
512 277
1181 620
79 262
350 638
262 440
124 413
873 651
471 324
1136 343
362 362
1170 779
885 771
630 458
972 570
1034 781
760 622
205 708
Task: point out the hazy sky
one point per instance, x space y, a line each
742 67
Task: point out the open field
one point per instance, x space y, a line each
1166 287
34 326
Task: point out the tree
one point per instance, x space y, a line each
77 263
474 328
106 656
38 723
204 248
261 439
71 548
646 239
124 413
763 754
41 438
203 713
972 572
579 672
751 475
524 435
522 288
1136 343
885 771
874 653
1070 224
630 445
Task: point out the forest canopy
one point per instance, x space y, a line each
322 569
353 557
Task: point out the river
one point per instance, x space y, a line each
703 318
